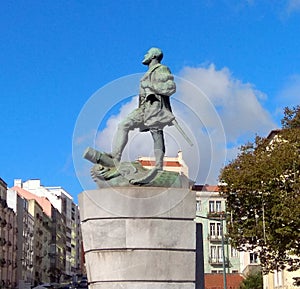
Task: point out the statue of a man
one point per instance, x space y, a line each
154 111
153 114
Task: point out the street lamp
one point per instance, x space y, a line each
223 255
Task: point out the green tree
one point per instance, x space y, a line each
252 281
262 194
291 117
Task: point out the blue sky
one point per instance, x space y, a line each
56 54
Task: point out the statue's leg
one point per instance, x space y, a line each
120 140
159 147
159 152
132 121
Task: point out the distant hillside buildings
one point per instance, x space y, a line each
40 237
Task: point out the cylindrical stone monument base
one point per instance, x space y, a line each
139 237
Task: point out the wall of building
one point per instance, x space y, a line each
25 231
210 208
68 229
8 241
3 190
281 280
41 261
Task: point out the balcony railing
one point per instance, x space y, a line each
3 223
2 241
214 238
218 261
217 238
216 215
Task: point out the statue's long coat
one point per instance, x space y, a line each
156 87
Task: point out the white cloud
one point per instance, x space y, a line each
289 95
105 137
230 112
293 5
217 111
238 104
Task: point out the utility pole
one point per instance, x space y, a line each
223 255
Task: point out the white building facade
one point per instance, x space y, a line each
63 202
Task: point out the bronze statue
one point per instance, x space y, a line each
153 114
154 111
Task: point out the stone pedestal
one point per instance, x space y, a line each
139 237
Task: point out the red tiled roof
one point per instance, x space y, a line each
166 164
215 281
42 201
205 188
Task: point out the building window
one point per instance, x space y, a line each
277 278
198 205
216 254
211 206
215 206
234 252
220 254
213 252
253 258
235 271
219 233
215 230
214 271
212 229
218 206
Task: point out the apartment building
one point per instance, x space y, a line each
57 247
41 233
210 211
282 279
68 224
3 190
70 212
8 241
35 213
171 164
49 238
25 233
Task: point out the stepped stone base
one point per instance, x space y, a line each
139 237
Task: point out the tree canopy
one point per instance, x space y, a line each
262 191
252 281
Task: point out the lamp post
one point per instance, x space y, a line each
223 255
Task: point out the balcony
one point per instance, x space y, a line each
2 241
214 261
216 215
251 269
214 238
3 223
217 238
2 262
